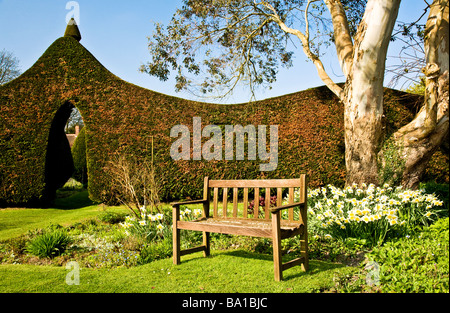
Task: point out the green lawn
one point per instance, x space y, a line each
229 272
14 222
224 271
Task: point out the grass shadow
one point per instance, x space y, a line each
315 266
72 200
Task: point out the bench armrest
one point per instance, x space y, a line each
287 206
188 202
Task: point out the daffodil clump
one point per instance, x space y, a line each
188 214
369 212
148 226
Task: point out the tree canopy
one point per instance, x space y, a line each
213 45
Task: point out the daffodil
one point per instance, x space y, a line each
197 212
393 222
160 227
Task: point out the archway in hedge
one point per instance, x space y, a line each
59 165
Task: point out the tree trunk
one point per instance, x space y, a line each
422 137
363 99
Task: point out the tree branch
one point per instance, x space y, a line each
342 38
338 91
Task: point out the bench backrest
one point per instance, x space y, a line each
241 193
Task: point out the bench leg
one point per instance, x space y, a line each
176 237
276 238
304 251
206 252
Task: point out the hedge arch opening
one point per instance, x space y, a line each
59 165
76 129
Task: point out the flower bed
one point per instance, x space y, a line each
369 213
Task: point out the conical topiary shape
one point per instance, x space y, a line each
72 30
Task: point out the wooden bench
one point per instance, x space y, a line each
269 224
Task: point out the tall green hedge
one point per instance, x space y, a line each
120 117
79 158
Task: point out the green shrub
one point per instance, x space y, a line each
49 244
441 191
155 251
112 217
107 258
419 263
79 158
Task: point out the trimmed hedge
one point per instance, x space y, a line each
121 117
79 158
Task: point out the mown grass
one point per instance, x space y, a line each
248 269
65 211
222 272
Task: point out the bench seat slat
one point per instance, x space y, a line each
241 226
260 183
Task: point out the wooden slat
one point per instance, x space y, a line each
303 189
291 200
304 220
215 201
227 229
206 207
176 235
192 250
256 206
279 196
225 201
260 183
206 197
235 201
267 204
276 242
292 263
245 202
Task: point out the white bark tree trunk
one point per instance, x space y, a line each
363 64
364 91
418 140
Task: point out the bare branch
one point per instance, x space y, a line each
338 91
342 38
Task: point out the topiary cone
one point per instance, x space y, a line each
72 30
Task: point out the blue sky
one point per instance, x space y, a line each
116 32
